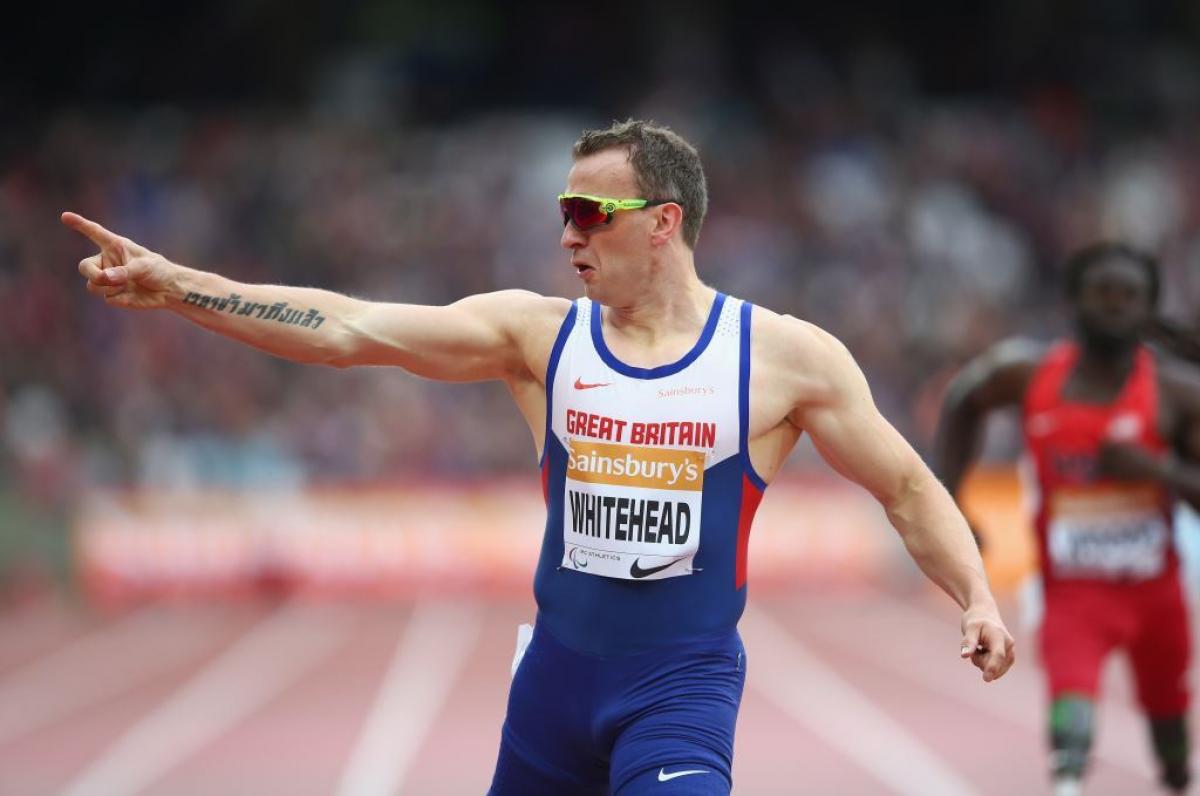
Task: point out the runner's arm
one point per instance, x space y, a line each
859 443
1182 470
996 379
472 339
1179 468
476 338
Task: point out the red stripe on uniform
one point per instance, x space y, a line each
751 496
546 480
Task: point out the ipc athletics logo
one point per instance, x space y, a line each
575 561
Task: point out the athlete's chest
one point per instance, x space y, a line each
683 421
1069 418
1068 439
660 413
644 451
692 402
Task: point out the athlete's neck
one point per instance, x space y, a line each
669 307
1106 363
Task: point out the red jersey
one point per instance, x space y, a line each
1090 527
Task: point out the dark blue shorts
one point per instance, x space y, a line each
656 722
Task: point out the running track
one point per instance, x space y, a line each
848 692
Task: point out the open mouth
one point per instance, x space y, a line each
582 268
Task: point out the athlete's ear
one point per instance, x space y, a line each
668 222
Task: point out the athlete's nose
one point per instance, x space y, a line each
1118 300
572 238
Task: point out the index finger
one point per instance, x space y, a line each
91 230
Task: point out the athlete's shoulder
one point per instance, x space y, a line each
1020 353
1001 375
798 359
786 335
520 300
520 310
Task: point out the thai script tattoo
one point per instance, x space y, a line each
278 312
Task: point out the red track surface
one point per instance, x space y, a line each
848 693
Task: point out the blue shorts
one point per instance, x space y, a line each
655 722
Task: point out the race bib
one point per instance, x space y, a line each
631 511
1115 534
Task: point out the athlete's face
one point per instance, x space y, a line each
614 260
1114 302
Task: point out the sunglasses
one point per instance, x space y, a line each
588 212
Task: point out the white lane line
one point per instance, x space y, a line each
92 668
817 697
427 662
267 659
1018 697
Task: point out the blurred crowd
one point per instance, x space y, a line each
917 231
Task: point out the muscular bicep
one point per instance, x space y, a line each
849 432
476 338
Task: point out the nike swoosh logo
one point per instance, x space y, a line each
638 572
580 385
665 777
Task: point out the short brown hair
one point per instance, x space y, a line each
664 165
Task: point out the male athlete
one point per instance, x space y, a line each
661 409
1113 432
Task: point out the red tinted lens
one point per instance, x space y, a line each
585 213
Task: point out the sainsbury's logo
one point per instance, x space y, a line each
687 391
635 465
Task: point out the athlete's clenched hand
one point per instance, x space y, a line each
987 642
124 273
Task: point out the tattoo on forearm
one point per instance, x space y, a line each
279 312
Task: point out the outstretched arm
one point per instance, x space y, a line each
859 443
479 337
